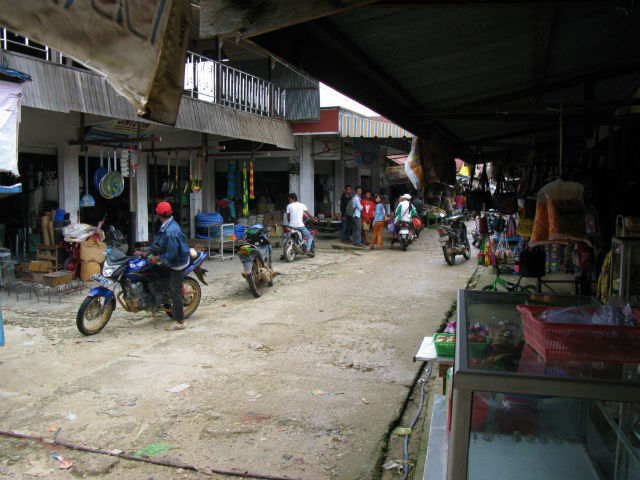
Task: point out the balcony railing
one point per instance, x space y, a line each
215 82
204 79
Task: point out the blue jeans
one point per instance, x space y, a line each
357 231
345 229
306 233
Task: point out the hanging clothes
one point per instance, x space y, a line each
251 192
245 191
231 182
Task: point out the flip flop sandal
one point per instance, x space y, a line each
176 326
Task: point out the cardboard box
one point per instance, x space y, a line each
40 266
87 269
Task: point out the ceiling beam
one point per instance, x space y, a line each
241 19
482 3
554 86
543 41
513 134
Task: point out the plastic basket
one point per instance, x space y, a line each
448 349
589 343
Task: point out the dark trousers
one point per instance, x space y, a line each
175 291
356 239
345 229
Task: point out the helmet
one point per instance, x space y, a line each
406 196
163 208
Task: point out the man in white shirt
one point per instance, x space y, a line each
295 213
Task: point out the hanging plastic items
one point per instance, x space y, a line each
231 182
245 191
251 192
124 163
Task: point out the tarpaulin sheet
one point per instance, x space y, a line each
9 119
139 46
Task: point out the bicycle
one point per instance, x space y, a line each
506 284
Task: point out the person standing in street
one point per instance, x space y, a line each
379 220
356 236
368 208
345 226
295 213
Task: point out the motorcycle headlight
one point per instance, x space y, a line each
108 269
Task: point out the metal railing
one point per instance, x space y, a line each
212 81
204 79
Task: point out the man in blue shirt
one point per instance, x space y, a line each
171 251
356 238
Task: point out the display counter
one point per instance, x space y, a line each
514 414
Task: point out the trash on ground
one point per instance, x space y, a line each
155 449
178 388
255 418
318 392
53 428
390 465
64 464
28 344
71 416
364 400
287 456
402 431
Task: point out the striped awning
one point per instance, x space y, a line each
355 126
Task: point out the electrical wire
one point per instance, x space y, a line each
164 463
405 447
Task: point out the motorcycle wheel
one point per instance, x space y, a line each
89 319
313 247
450 259
256 285
289 251
190 297
466 252
403 242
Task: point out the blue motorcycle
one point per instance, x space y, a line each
255 255
141 287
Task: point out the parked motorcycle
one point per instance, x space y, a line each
453 239
142 288
255 255
404 234
294 243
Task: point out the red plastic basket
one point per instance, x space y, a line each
588 343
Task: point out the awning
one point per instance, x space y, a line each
398 159
354 125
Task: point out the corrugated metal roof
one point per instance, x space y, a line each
63 89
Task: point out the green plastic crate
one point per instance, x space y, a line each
448 349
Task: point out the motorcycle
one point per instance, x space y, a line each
294 243
255 255
453 239
142 287
404 234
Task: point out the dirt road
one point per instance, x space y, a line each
303 382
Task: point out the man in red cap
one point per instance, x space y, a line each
172 252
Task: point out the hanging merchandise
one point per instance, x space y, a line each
251 192
188 186
245 191
511 226
101 172
133 161
115 183
231 182
124 163
560 214
166 185
102 187
86 200
505 200
481 196
197 185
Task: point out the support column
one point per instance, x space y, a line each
138 201
69 180
306 194
208 176
339 183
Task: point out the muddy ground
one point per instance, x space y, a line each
304 382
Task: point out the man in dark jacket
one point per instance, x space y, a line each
171 252
345 227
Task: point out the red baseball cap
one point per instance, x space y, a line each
163 208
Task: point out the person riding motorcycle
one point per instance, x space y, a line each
405 212
171 252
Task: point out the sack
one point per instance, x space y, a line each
366 226
88 269
417 224
532 262
92 251
351 209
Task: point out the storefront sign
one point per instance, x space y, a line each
135 44
366 153
395 174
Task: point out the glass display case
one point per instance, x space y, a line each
625 270
516 415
